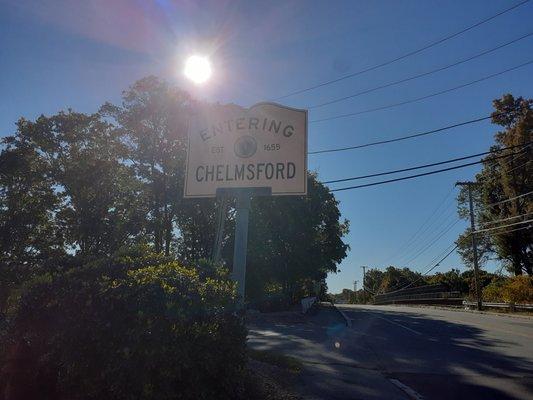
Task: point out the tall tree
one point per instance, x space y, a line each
502 179
294 238
154 116
76 163
29 232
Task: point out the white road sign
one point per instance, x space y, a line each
234 147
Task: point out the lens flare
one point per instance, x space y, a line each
197 69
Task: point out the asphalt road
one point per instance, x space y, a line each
446 354
402 353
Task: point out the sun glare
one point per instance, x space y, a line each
197 69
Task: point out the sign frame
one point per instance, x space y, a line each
252 185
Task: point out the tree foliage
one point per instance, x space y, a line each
294 239
502 179
78 187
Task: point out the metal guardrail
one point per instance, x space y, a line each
510 306
380 299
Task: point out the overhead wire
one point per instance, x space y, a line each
508 231
508 200
409 241
406 55
418 166
519 166
425 273
504 226
432 242
415 176
441 260
401 138
394 83
505 219
423 97
430 231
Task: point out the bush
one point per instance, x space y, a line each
493 292
139 326
517 289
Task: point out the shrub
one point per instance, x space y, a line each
519 289
493 292
139 326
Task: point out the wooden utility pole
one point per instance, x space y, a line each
364 285
474 242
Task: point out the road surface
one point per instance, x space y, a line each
394 352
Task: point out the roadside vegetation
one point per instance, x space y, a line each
105 291
495 287
511 247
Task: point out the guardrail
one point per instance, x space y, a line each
424 298
510 306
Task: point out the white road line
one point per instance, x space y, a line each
410 392
400 325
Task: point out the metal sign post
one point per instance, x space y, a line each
243 198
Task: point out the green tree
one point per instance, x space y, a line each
452 279
397 278
29 232
502 179
153 117
294 238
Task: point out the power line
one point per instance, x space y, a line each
507 200
414 168
428 165
423 97
413 176
519 166
442 259
422 227
425 273
429 245
411 53
428 231
511 230
379 142
505 219
351 96
503 226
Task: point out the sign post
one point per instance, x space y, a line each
242 153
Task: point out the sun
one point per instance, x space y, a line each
197 69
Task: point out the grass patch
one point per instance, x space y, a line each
277 359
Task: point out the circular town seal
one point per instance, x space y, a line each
245 146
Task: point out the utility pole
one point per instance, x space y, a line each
364 283
355 290
474 242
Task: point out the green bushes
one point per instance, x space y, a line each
139 326
518 289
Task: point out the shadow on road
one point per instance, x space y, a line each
444 359
437 358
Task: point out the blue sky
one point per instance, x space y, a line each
60 54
